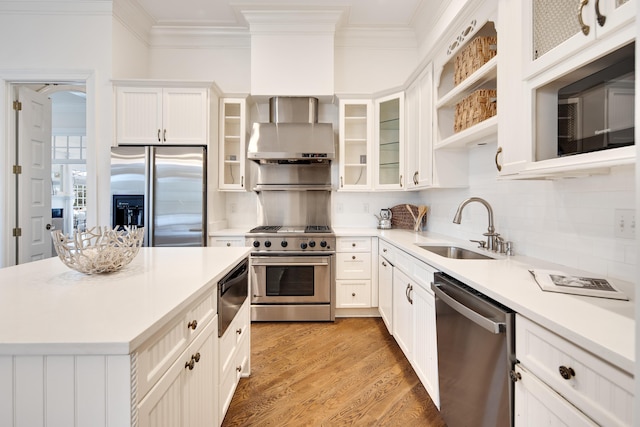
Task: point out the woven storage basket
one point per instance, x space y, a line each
477 53
475 108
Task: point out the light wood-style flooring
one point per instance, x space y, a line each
347 373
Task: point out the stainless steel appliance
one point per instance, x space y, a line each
475 355
292 273
293 257
384 219
162 189
232 293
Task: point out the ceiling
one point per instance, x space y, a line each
398 14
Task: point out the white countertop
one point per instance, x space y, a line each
604 327
47 308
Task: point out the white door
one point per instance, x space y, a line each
34 183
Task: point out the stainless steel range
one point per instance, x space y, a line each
293 273
293 257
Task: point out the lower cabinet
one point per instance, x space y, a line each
353 272
235 353
186 394
558 380
414 316
385 291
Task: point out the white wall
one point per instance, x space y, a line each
567 221
130 53
43 44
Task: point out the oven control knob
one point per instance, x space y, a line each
284 243
256 243
303 245
323 244
312 244
267 244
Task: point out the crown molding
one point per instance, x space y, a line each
376 38
134 18
282 21
200 37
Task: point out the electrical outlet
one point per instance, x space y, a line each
625 223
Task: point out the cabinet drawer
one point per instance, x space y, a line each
229 381
232 338
387 251
353 293
227 241
158 353
353 265
353 244
599 389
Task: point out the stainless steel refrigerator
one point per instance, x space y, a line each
164 190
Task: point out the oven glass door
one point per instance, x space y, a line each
290 279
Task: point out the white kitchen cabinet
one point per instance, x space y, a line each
555 31
577 380
403 312
355 144
419 134
147 115
552 45
385 284
186 393
353 272
232 144
235 357
389 138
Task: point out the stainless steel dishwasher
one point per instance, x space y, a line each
475 355
233 289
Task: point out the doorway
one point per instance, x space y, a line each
58 198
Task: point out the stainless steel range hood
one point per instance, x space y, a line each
293 135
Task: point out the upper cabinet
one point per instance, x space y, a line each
162 115
419 131
570 109
232 143
356 141
556 30
389 137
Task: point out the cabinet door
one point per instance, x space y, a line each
232 141
403 312
138 115
355 136
186 396
536 404
385 292
419 112
390 142
425 351
185 116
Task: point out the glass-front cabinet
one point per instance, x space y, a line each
390 142
356 137
232 142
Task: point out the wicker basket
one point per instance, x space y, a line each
477 53
475 108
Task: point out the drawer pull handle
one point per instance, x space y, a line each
566 373
193 324
239 331
583 26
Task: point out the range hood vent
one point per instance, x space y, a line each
293 134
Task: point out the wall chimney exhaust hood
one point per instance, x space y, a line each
293 134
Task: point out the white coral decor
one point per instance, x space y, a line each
99 249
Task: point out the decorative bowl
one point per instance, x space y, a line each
98 249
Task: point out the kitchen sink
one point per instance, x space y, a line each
454 252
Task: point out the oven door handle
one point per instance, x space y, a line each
289 264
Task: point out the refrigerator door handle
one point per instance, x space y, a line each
150 202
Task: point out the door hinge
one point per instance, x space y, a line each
17 105
17 169
17 232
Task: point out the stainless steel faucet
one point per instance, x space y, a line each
492 237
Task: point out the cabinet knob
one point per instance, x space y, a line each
239 331
353 294
353 257
384 264
193 324
515 376
384 250
239 368
196 357
566 373
228 243
190 364
353 245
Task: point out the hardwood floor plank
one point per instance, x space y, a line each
347 373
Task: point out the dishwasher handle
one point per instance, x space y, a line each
238 274
477 318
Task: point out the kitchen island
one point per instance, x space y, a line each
80 349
